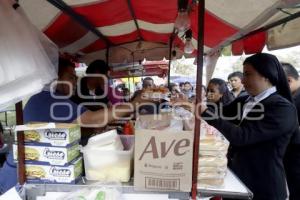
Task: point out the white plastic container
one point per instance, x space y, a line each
109 165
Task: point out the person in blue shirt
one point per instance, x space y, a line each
56 106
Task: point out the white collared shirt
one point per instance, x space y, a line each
252 101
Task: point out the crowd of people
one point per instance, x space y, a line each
255 110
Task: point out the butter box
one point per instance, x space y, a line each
55 134
38 173
36 154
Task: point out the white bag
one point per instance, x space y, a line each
28 59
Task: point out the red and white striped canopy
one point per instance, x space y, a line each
225 22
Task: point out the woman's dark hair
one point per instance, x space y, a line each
98 67
235 74
290 70
148 79
223 89
171 86
188 83
269 67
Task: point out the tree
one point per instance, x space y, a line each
183 67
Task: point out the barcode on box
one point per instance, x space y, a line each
162 184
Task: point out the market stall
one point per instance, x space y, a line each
233 188
131 30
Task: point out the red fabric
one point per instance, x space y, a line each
155 37
237 47
155 11
105 13
250 45
64 31
96 46
216 198
255 43
124 38
100 44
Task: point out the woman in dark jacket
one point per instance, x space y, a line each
261 131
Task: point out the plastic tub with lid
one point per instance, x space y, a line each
109 162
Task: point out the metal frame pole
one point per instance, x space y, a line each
170 55
20 139
200 53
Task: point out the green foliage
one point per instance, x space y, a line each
226 51
183 68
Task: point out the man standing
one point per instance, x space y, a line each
148 82
292 156
188 90
235 80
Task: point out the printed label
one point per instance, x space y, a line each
57 155
55 135
163 184
60 172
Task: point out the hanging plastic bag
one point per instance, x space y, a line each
28 59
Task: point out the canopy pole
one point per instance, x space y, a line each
131 10
200 53
20 139
262 29
170 55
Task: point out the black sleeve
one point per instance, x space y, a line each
273 124
297 104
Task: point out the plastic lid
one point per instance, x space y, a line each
103 139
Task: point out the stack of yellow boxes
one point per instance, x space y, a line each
52 153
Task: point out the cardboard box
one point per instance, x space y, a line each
38 173
36 154
163 160
55 134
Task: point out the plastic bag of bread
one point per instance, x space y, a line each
212 153
203 169
212 161
208 134
211 175
213 147
156 93
158 122
211 182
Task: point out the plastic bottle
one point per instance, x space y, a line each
127 130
